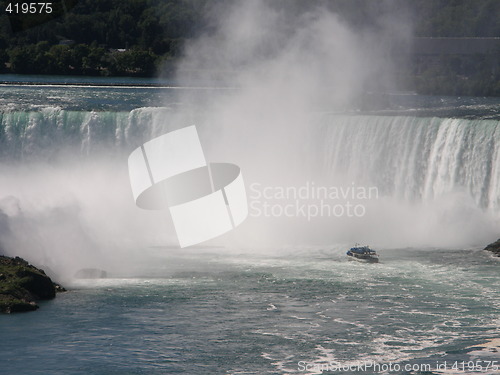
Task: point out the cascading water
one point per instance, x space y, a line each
417 159
437 179
409 158
276 293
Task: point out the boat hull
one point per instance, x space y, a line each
363 260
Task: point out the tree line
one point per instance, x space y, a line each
105 37
136 37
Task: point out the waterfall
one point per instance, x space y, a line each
28 135
410 158
438 179
415 159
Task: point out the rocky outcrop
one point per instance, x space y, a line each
22 284
494 247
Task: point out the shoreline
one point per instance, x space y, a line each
110 85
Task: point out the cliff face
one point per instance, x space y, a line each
494 247
21 284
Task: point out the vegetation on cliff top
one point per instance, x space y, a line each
137 37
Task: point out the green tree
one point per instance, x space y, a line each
22 59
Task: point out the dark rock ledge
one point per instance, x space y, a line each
494 247
22 284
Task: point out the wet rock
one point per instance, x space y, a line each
494 247
22 284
